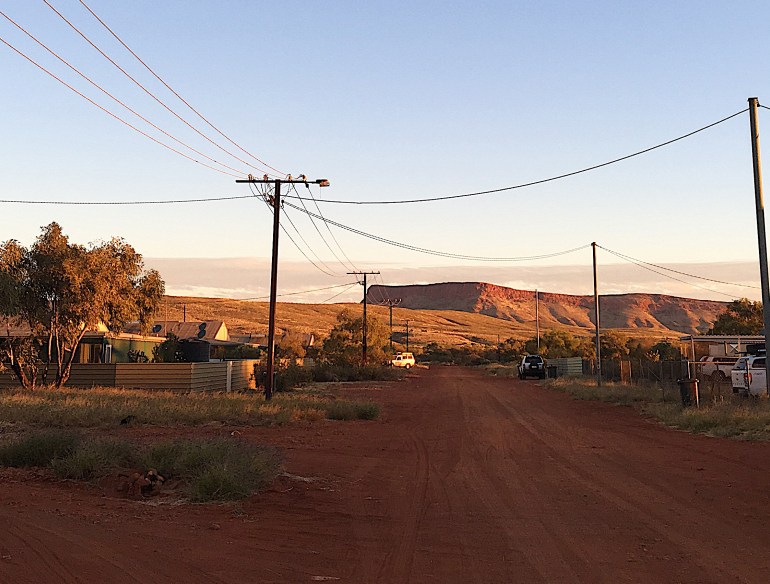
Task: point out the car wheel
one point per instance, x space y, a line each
407 366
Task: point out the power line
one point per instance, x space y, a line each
435 252
176 94
121 120
627 257
340 293
171 202
641 265
349 284
264 197
294 188
537 182
310 192
108 94
148 92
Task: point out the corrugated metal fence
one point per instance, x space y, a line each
177 377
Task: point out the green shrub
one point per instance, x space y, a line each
325 372
220 470
39 449
94 458
345 410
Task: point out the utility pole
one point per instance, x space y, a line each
763 273
407 336
364 274
537 318
391 304
499 355
596 309
275 203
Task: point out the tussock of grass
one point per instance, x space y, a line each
728 417
99 407
38 449
213 470
216 470
617 393
93 459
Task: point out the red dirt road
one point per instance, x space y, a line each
464 479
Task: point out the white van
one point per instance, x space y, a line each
749 376
405 360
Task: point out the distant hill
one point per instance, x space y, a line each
654 312
458 314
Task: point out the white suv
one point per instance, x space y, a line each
405 360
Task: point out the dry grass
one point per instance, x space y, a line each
211 469
103 407
446 327
730 417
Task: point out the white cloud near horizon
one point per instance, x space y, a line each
249 278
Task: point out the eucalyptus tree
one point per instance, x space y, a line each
61 290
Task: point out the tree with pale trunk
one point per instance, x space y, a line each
61 290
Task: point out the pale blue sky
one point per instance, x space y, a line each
400 100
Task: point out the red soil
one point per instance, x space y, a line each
464 479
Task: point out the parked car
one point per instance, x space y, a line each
405 360
749 375
718 368
532 366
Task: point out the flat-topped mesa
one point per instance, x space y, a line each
651 311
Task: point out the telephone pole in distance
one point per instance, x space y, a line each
275 202
598 340
390 304
364 274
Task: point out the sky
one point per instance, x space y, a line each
397 100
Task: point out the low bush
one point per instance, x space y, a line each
39 449
95 458
325 372
213 470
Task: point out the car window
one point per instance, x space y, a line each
740 365
758 363
534 359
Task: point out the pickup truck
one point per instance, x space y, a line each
749 375
717 368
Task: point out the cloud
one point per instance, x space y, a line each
249 278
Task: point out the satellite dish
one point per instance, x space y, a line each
201 333
157 328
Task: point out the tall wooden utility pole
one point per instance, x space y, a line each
596 310
364 274
275 203
537 318
763 274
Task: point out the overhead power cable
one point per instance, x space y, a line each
102 203
293 187
217 130
435 252
121 120
108 94
349 284
148 92
264 197
340 293
536 182
665 275
310 192
629 258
